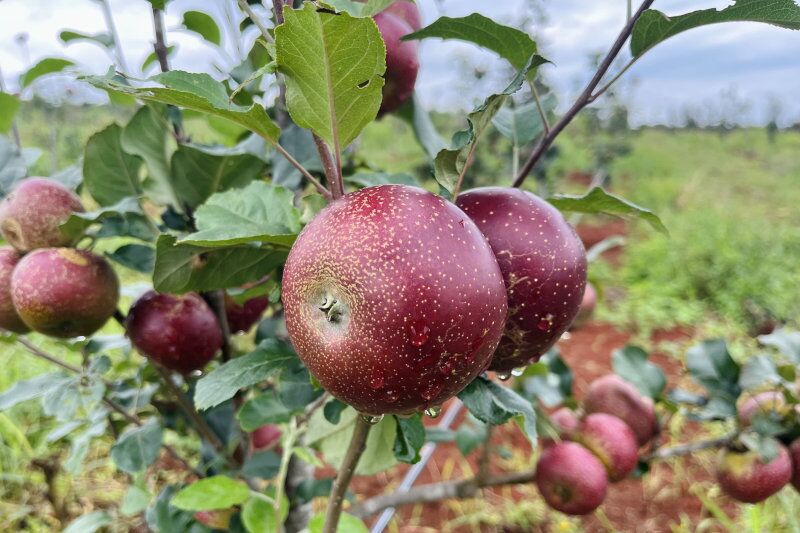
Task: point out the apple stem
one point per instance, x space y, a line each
358 442
583 100
130 417
332 170
484 459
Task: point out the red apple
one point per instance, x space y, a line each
9 318
180 333
408 11
242 317
393 299
265 437
565 422
543 264
612 441
588 304
794 451
31 214
64 292
402 61
615 396
745 477
761 403
571 479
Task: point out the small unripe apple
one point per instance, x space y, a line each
408 11
63 292
265 437
746 478
242 317
612 441
393 299
571 479
31 214
180 333
9 318
216 519
794 452
761 403
565 422
588 305
613 395
544 267
402 61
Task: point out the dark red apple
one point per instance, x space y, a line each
615 396
586 310
761 403
612 441
408 11
393 299
794 452
571 479
63 292
265 437
402 61
9 318
565 422
31 214
242 317
216 519
745 477
180 333
543 264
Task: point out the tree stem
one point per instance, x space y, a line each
280 482
251 14
331 169
357 444
112 28
583 100
689 448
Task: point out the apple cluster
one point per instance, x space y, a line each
45 284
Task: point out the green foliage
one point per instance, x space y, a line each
410 438
631 363
599 200
48 65
103 39
9 105
203 24
109 173
138 447
216 492
329 90
494 404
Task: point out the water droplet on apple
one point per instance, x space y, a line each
377 380
420 333
434 411
390 395
517 372
372 419
503 376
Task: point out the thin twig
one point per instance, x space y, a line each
280 482
467 164
583 100
357 444
484 459
277 8
199 423
687 449
599 92
539 106
296 164
132 418
160 46
260 25
122 65
330 166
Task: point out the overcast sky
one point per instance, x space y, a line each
746 70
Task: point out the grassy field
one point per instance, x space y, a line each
730 201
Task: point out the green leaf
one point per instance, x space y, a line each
422 125
48 65
9 105
410 438
182 268
522 124
109 173
103 39
137 447
36 387
333 65
785 341
201 23
263 409
347 524
258 516
359 9
553 386
135 501
300 144
89 523
264 465
146 135
333 411
226 380
70 177
77 224
494 404
599 201
631 363
138 257
710 364
200 171
451 162
470 434
216 492
260 212
152 58
654 26
757 371
199 92
12 166
512 44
